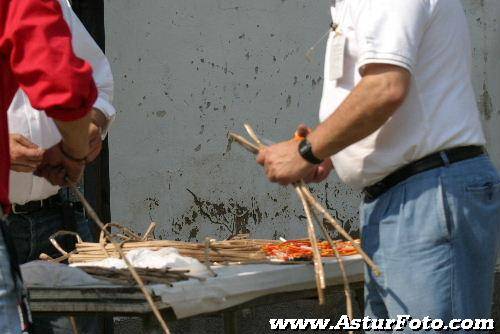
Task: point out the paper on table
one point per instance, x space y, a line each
238 284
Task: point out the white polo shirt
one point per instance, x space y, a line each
429 38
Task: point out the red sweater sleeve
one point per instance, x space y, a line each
43 62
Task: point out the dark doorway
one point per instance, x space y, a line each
96 181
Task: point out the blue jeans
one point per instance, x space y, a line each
435 237
30 234
9 316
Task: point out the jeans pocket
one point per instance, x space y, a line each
487 190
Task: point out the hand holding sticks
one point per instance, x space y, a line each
308 201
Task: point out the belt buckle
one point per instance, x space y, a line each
14 211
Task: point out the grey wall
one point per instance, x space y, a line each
189 71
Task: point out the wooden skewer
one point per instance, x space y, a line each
207 259
345 279
150 230
253 135
245 143
93 215
319 271
341 230
74 327
254 149
318 264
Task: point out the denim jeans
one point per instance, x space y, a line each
30 234
435 237
9 316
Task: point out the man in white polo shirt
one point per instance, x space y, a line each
400 121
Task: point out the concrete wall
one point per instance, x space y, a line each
189 71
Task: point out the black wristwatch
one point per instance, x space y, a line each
305 150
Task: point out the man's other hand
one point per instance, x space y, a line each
98 123
25 156
320 172
95 142
57 166
283 163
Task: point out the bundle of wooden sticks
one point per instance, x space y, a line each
218 251
311 204
149 276
237 250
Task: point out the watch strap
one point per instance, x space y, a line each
305 151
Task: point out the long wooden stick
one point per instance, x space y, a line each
93 215
74 327
341 230
319 271
245 143
345 279
253 135
318 264
254 149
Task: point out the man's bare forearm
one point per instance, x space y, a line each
75 136
366 109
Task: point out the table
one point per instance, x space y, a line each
114 300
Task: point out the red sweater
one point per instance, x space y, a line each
36 55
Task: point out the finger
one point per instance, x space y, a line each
31 154
322 174
283 182
56 176
74 171
25 162
261 157
25 142
22 168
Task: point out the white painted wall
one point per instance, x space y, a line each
189 71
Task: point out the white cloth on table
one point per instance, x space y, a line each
159 259
235 285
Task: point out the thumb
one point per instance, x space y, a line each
261 157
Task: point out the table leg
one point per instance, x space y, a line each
230 322
360 299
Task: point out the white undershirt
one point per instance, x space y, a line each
40 129
429 38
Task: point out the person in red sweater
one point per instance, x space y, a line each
36 55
